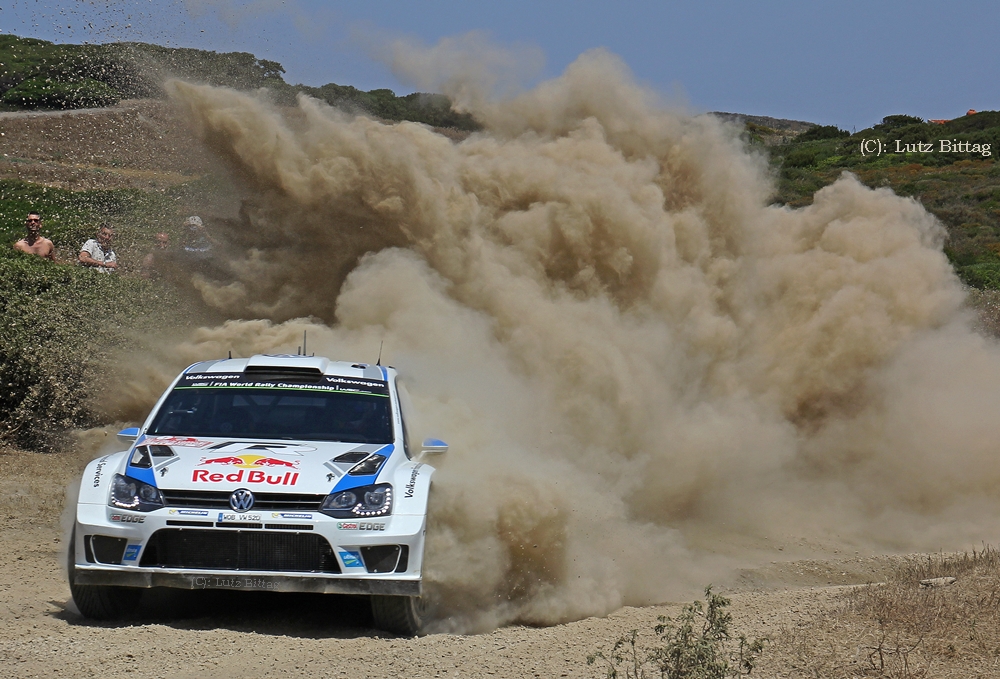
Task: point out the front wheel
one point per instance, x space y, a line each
399 614
100 602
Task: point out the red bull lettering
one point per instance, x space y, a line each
243 476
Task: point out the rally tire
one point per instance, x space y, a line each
106 602
100 602
398 614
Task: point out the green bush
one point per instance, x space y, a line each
698 645
59 325
822 132
985 276
802 158
43 92
890 123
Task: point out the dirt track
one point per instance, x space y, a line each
223 634
139 144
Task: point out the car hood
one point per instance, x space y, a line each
223 464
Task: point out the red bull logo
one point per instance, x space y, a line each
245 476
250 461
250 470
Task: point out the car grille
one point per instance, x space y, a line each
239 550
216 499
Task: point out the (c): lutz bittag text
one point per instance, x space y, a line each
877 147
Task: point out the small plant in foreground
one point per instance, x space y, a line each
695 646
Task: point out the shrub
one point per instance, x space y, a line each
802 158
985 276
822 132
895 122
695 646
42 92
58 326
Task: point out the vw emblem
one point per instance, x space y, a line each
241 500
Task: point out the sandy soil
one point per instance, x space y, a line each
141 144
221 634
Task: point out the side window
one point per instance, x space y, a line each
405 408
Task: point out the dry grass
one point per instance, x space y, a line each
901 629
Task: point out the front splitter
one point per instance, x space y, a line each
246 582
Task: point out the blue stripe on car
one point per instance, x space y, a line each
143 474
347 481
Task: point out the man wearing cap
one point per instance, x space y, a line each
35 243
97 253
196 238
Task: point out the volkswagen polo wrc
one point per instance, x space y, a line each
277 473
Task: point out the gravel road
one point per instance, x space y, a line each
223 634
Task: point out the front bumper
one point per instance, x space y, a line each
317 554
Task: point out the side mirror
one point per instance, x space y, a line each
434 447
128 435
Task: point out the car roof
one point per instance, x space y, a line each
290 363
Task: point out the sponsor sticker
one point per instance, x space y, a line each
363 525
188 512
127 518
245 476
326 383
131 553
290 515
351 559
183 441
269 448
242 518
411 486
100 468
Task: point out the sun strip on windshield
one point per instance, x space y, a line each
335 383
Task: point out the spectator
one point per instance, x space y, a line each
35 243
98 253
196 238
153 261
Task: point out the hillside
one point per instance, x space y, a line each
37 74
949 168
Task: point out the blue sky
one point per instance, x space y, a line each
845 63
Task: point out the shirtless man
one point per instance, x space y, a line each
34 243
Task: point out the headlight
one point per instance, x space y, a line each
362 502
129 493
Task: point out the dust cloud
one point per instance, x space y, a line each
648 376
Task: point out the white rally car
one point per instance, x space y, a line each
282 473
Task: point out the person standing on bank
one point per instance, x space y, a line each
153 262
97 252
35 243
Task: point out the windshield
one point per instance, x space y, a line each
275 411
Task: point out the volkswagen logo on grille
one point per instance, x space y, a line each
241 500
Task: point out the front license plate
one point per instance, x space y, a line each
225 517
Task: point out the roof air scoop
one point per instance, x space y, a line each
287 367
